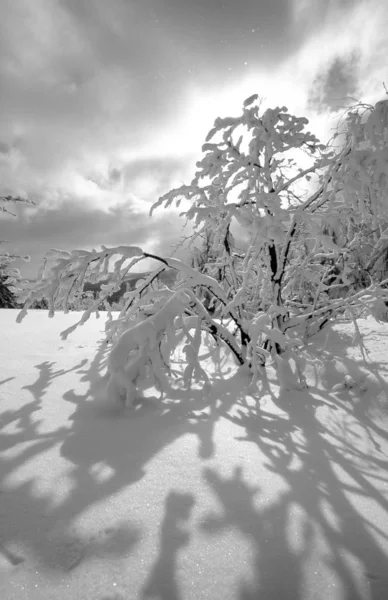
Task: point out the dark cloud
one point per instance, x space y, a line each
100 102
115 176
74 225
76 75
77 222
80 80
144 180
335 88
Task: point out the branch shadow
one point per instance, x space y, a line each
332 459
34 520
332 365
312 429
3 381
161 583
91 439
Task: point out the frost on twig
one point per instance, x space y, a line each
309 214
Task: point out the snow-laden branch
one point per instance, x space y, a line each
308 252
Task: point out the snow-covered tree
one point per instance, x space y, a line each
302 208
9 276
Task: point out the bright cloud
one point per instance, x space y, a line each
105 107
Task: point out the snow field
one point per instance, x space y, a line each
234 493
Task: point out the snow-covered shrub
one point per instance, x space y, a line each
303 209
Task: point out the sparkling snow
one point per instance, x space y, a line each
233 495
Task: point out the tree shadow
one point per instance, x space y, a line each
333 364
22 417
313 429
332 473
90 440
34 520
265 530
161 582
126 441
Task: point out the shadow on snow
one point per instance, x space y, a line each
330 452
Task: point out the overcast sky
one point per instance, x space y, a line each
104 104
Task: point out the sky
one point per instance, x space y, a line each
104 105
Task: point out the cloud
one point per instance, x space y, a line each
74 225
104 105
337 87
145 178
342 50
349 51
81 82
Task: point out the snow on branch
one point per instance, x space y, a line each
66 275
311 227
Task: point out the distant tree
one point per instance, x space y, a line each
41 304
7 296
292 196
9 277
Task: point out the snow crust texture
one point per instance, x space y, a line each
243 492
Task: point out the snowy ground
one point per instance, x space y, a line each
227 497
